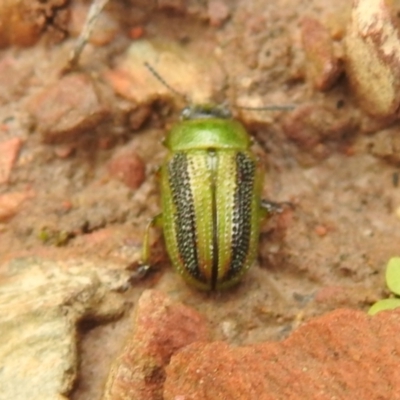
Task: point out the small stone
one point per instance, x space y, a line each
11 202
161 327
9 151
322 64
218 12
64 151
129 168
67 108
136 32
321 230
372 55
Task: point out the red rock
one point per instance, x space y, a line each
67 108
9 151
322 64
136 32
161 327
120 81
11 202
342 355
321 230
129 168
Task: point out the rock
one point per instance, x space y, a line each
67 108
322 64
372 55
190 77
345 354
161 327
9 151
11 202
41 303
128 167
23 21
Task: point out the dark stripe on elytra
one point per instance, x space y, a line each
185 218
241 219
213 167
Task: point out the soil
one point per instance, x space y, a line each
326 249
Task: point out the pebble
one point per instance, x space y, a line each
67 108
372 58
322 65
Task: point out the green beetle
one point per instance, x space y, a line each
211 186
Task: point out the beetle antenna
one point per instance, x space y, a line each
163 81
286 107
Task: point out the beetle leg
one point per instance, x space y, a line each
158 176
144 264
271 207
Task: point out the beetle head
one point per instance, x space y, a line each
204 111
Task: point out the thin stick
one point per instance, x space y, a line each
94 11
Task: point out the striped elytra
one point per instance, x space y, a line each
211 214
211 199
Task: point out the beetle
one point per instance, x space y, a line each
211 185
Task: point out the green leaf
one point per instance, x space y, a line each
393 275
382 305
